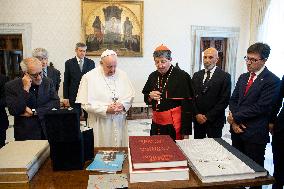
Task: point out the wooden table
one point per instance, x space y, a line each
46 178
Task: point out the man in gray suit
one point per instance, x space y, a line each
47 71
28 99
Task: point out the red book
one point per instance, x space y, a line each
155 152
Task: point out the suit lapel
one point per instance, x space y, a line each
200 79
243 86
85 66
215 74
40 92
254 85
76 65
48 72
257 81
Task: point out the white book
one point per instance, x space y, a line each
214 160
20 160
162 174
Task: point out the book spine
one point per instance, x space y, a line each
34 168
14 177
38 155
248 161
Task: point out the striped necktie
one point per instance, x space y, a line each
44 73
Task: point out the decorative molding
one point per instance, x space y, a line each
19 28
231 33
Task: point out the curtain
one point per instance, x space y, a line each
258 10
272 34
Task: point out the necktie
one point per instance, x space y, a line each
250 82
81 64
207 77
44 73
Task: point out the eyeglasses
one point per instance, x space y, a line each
35 75
40 58
252 60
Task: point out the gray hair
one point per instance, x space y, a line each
31 60
80 44
40 52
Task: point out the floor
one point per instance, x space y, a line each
141 127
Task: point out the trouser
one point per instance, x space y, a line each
200 131
253 150
278 159
2 136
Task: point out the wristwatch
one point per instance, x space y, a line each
34 112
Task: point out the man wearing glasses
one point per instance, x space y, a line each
251 104
28 99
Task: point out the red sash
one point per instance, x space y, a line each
172 116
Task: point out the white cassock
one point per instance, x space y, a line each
96 92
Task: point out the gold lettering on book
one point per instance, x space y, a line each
149 141
165 157
154 149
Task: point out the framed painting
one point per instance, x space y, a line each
116 25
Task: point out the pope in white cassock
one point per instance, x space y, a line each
106 94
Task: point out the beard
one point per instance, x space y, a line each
208 66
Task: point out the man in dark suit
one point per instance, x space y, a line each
251 104
28 99
4 123
276 127
47 71
75 68
54 75
212 88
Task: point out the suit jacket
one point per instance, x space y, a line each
4 123
73 75
54 75
254 109
278 121
27 128
213 101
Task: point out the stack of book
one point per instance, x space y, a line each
107 161
214 160
20 160
156 158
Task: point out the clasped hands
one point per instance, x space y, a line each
201 119
237 128
28 112
155 95
115 108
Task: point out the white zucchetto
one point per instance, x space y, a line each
108 53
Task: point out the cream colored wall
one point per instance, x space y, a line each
56 26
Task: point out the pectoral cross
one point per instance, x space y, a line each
159 101
114 98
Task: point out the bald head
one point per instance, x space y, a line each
210 58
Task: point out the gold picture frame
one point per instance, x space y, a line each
116 25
